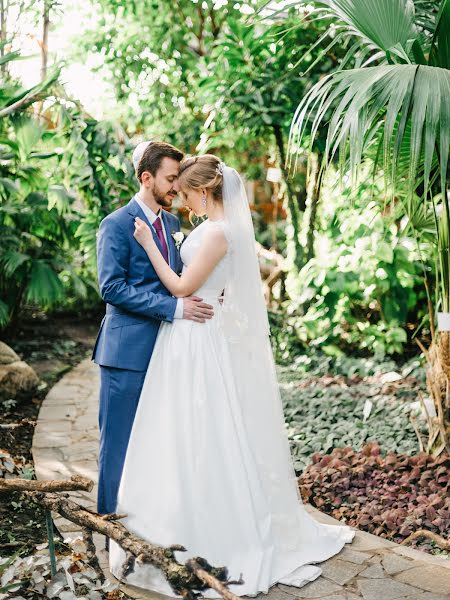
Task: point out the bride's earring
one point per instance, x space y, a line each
204 200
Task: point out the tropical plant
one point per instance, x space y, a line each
244 88
392 496
61 172
330 412
393 109
31 234
363 290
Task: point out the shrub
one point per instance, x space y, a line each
390 497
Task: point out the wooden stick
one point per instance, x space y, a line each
91 553
424 350
76 482
19 424
194 566
416 429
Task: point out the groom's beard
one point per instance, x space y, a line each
164 200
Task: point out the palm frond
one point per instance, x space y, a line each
426 12
4 313
440 46
384 24
397 96
12 260
45 287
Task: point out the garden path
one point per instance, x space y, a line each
66 443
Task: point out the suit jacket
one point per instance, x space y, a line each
136 300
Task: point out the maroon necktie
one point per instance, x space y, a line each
159 232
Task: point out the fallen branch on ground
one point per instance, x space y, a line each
91 553
19 424
187 580
76 482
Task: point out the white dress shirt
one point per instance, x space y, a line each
151 216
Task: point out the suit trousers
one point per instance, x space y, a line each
119 397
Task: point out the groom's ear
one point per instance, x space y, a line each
146 177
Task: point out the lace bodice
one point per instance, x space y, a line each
215 284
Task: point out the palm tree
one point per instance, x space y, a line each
393 108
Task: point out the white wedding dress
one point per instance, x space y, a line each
193 474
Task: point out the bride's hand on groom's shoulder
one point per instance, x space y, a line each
142 233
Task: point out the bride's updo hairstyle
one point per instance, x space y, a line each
197 172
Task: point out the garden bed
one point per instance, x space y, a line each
391 497
356 451
350 402
52 346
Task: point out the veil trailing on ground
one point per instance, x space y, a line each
246 327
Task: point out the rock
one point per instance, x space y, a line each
320 588
354 556
428 578
7 355
15 375
387 589
395 564
340 571
373 572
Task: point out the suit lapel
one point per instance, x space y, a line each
136 211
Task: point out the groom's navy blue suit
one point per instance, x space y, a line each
136 303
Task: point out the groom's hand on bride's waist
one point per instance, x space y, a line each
195 309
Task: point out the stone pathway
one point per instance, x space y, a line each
372 568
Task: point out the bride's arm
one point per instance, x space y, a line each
211 251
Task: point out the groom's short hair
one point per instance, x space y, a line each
153 156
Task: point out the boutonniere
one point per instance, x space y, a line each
178 238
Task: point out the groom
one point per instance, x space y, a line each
136 303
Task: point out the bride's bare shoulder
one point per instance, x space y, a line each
217 232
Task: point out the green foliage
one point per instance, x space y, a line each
362 289
157 58
395 109
59 176
323 413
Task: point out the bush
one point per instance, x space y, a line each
363 288
59 176
328 412
390 497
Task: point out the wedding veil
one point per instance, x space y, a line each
246 327
244 306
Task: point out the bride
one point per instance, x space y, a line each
208 463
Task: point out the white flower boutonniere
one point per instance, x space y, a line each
178 237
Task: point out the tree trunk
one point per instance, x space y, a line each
3 36
44 46
315 189
438 354
196 575
293 209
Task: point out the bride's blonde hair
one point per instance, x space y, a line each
197 172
